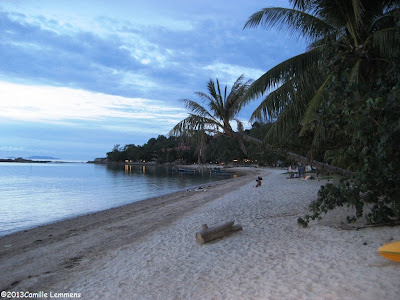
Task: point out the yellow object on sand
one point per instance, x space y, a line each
391 251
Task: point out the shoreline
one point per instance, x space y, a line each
238 172
147 250
23 160
19 248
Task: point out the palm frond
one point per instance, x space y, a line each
235 100
313 104
301 4
205 97
196 108
387 42
383 22
211 89
212 103
282 128
358 11
319 136
225 92
299 89
223 109
311 27
220 98
214 99
283 72
273 104
193 123
355 72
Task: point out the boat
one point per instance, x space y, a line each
391 251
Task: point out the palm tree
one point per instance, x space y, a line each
222 109
356 39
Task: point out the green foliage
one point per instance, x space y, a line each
160 149
221 108
258 151
214 118
340 98
376 132
116 154
223 149
220 148
259 130
351 42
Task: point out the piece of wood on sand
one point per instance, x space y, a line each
211 233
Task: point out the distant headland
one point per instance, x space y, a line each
31 159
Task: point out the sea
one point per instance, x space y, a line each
34 194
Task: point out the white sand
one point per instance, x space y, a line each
272 258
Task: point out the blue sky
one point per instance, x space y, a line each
78 77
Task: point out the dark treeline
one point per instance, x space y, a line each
219 148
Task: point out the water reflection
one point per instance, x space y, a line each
131 168
163 171
31 195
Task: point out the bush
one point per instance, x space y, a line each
377 182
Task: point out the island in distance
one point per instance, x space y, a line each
36 159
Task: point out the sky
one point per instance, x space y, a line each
80 76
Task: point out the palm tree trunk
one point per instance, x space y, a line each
321 166
243 147
201 157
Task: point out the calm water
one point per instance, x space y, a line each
35 194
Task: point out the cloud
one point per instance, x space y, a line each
123 59
228 73
11 148
131 58
65 105
81 59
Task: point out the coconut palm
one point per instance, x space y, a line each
216 119
352 40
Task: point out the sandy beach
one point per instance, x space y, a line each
148 250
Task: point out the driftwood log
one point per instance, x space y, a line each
211 233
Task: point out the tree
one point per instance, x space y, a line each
377 140
223 148
351 42
342 95
222 109
116 154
